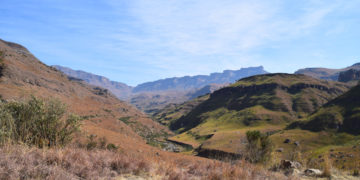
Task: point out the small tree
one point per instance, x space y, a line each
259 147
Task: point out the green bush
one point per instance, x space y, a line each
37 122
111 147
259 147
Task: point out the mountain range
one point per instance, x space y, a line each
326 73
150 97
195 82
121 90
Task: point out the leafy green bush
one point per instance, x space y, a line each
259 147
37 122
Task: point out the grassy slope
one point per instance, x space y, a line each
24 75
266 102
341 114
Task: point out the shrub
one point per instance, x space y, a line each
102 143
356 172
259 147
111 147
91 142
37 122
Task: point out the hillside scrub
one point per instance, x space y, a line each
37 122
259 147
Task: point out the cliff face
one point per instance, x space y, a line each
195 82
349 75
325 73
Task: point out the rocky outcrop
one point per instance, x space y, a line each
349 75
313 172
325 73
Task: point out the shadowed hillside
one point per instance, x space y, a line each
341 114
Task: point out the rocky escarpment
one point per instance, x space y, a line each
325 73
349 75
195 82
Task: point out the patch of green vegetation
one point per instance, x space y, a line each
126 120
107 110
94 142
156 139
86 117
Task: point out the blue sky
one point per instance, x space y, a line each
135 41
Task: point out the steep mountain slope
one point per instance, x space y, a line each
263 102
120 90
173 112
24 75
195 82
341 114
324 73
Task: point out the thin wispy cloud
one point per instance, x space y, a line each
140 40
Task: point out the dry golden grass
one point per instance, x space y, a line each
24 75
22 162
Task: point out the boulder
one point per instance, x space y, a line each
297 143
313 172
287 141
280 150
287 164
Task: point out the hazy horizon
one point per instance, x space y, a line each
140 41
